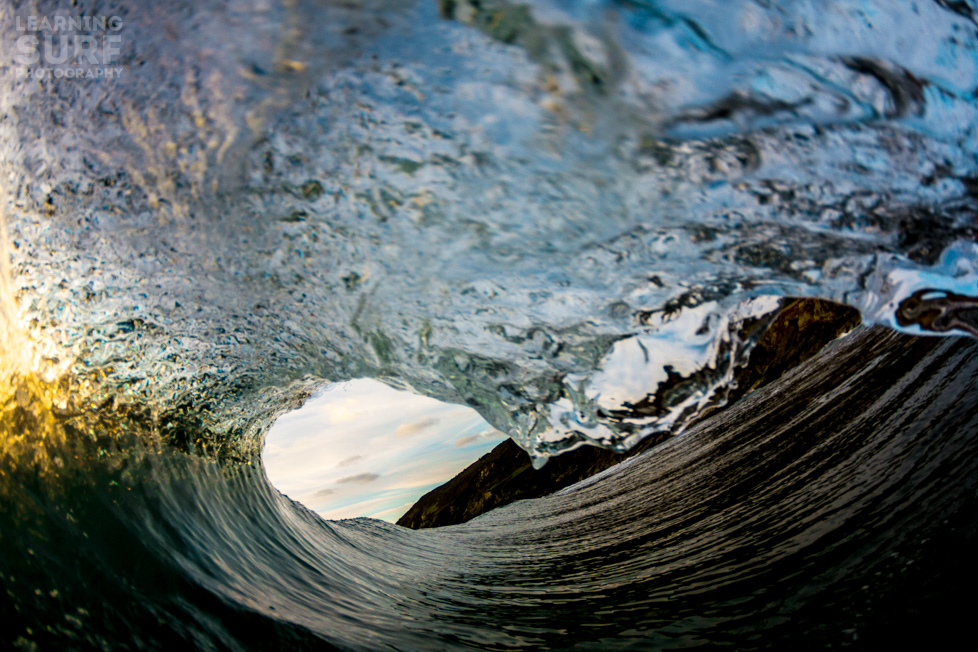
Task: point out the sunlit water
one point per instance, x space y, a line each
573 217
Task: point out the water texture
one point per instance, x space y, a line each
575 217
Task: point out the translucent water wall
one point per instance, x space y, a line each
572 216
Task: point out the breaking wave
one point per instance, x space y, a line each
576 217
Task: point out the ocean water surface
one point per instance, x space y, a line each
574 217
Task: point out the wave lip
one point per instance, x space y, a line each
334 201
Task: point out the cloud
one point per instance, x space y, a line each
348 458
360 478
342 412
408 429
486 435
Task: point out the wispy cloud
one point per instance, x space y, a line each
408 429
360 478
486 435
347 458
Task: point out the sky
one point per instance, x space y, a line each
363 449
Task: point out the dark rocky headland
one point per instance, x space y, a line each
800 330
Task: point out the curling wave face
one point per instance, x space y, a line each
835 507
554 213
550 213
